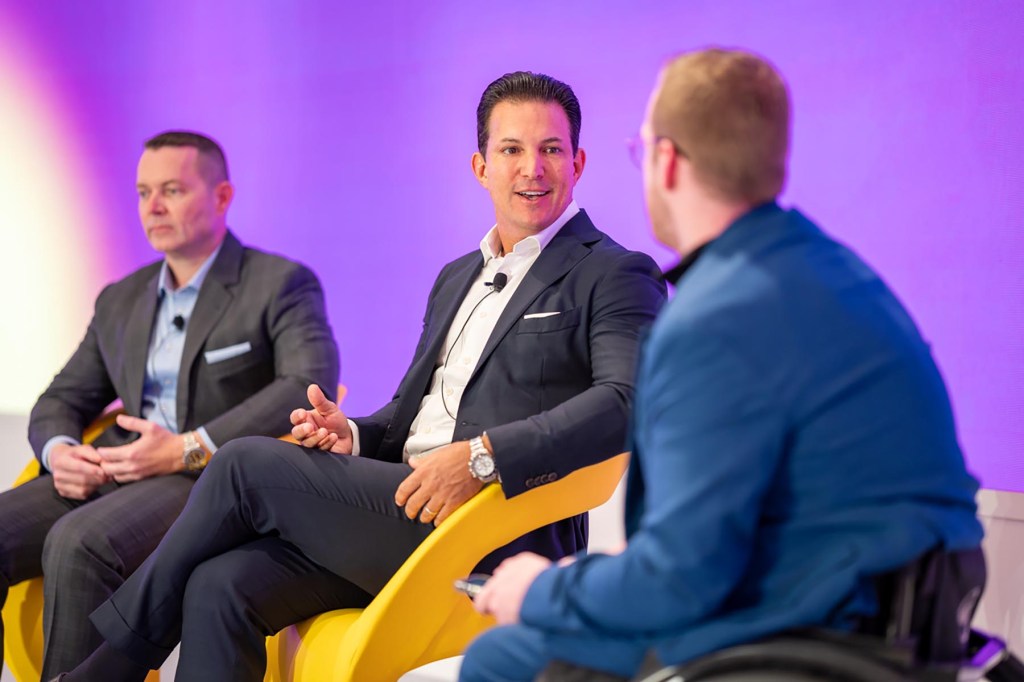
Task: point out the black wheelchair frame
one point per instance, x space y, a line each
921 633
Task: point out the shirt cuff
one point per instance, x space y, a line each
355 438
207 441
44 456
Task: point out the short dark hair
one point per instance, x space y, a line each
213 164
525 86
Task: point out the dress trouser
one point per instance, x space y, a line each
85 550
520 653
273 533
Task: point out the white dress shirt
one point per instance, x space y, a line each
434 424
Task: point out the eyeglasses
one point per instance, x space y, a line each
635 145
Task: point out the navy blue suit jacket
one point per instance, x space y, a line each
553 393
792 437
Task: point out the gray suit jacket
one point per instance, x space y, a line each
274 304
553 393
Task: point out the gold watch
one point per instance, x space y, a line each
194 456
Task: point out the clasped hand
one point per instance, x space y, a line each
78 470
155 452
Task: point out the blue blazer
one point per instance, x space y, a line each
553 393
792 436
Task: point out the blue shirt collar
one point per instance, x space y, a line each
197 279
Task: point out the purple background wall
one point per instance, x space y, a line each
349 128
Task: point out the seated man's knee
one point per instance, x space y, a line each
246 452
75 544
235 449
504 653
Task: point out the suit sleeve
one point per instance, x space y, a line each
304 353
77 395
590 426
712 436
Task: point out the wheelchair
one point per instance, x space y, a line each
921 634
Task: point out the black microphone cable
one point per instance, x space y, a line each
500 280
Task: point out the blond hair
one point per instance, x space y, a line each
728 112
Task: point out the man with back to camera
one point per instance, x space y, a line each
523 373
213 342
791 433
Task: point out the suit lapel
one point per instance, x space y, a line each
214 297
447 301
136 344
450 298
559 257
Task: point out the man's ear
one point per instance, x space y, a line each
578 162
223 193
670 173
479 168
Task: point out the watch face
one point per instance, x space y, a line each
483 466
194 458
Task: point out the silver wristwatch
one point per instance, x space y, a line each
481 462
194 456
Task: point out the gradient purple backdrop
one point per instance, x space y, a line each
349 130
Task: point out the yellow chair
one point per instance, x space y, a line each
23 611
419 617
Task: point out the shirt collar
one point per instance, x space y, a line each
751 217
490 245
197 279
674 274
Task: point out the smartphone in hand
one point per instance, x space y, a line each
472 585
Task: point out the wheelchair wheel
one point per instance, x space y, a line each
791 659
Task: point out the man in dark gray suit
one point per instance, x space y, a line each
213 342
523 373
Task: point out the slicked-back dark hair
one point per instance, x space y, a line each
214 165
525 86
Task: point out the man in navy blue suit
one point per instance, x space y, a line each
791 434
523 373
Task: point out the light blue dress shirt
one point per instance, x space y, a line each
163 362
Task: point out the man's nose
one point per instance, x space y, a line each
154 204
532 165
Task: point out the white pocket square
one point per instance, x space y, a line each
227 352
534 316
